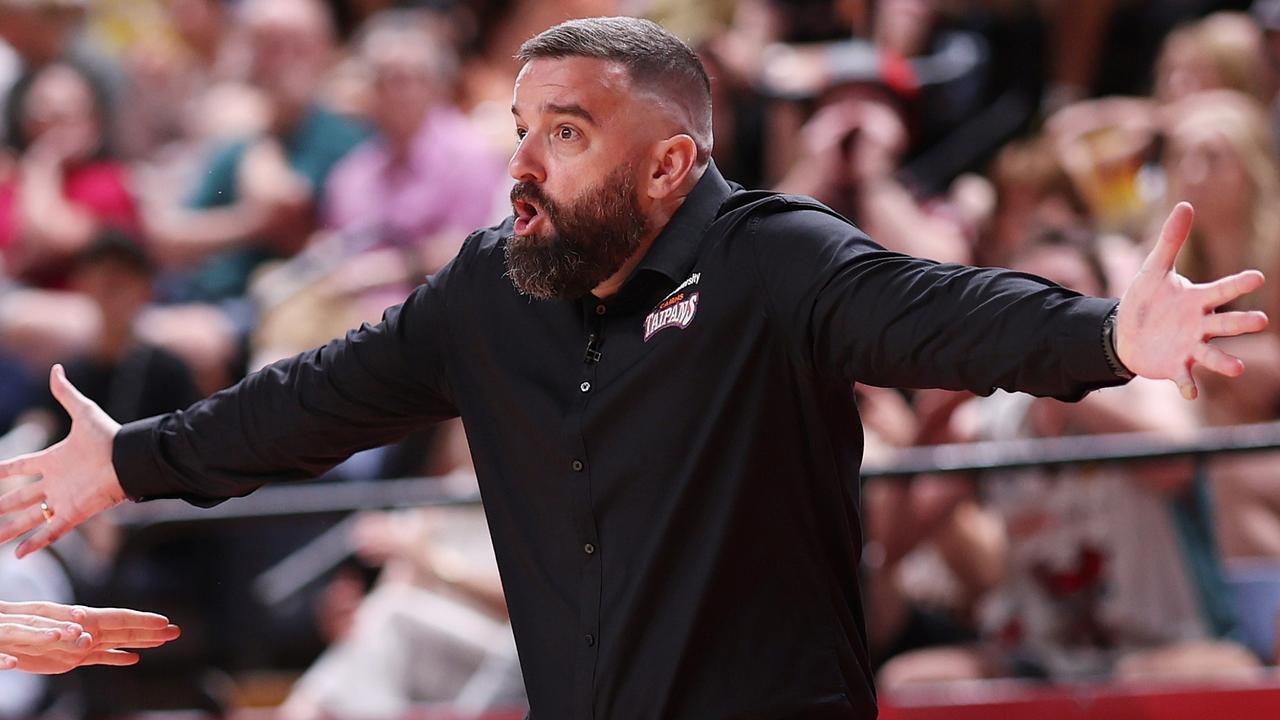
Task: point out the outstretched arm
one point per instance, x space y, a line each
291 420
854 311
48 638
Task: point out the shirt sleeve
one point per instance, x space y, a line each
855 311
103 190
301 416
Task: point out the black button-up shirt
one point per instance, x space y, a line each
669 474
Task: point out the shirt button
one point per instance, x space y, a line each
589 548
591 640
577 466
585 386
600 309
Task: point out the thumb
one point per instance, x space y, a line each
67 395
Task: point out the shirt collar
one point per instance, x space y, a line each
676 247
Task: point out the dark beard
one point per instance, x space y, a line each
583 244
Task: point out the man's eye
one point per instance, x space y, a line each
520 133
567 133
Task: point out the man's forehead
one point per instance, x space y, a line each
591 83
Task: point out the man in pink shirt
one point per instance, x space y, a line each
429 172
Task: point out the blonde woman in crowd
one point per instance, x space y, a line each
1221 51
1220 155
1105 143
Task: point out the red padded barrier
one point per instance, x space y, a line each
1019 701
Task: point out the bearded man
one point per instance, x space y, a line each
654 369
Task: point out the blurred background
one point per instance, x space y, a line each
190 189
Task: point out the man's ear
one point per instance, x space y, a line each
673 160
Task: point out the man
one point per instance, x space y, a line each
257 198
654 369
430 172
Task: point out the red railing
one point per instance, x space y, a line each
1013 700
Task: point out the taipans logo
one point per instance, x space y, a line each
676 311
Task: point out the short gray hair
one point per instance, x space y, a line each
418 28
655 59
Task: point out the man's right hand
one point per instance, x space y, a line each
75 479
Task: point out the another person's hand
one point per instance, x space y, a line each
384 536
1165 322
75 478
280 197
855 139
64 145
48 638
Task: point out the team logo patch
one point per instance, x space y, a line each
676 311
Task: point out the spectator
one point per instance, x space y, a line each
428 178
1224 50
184 82
32 35
1104 144
1034 193
127 377
66 187
397 207
1110 572
1221 157
131 380
434 630
40 31
932 550
257 197
851 148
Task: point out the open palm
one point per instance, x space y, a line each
75 479
1165 321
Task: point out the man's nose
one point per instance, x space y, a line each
525 166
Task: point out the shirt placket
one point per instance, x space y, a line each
590 591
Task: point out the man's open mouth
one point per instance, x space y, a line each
527 216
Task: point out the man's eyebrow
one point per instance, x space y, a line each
573 109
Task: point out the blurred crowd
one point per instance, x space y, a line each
190 189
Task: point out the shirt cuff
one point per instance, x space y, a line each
1082 338
133 454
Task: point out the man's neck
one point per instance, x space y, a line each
663 213
614 282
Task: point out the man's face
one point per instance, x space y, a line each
578 214
119 290
403 88
289 49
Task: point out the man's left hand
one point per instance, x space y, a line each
1165 321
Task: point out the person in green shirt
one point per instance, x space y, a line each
256 198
